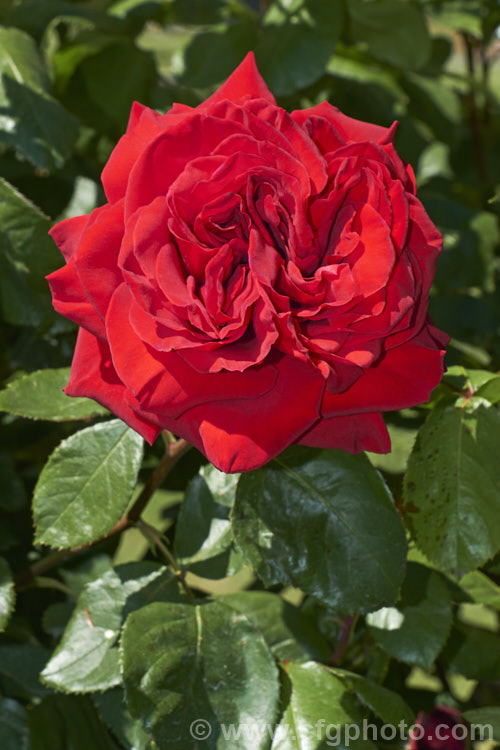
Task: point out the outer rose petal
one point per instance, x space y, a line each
243 435
96 259
347 127
244 82
144 124
67 234
69 299
165 157
93 375
355 433
404 377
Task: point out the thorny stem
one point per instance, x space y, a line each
174 451
169 557
343 641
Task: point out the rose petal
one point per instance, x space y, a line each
67 234
244 82
404 377
354 433
93 375
69 299
144 124
348 128
166 156
243 435
162 382
96 259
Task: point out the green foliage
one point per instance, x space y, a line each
283 597
417 630
315 695
183 662
282 510
392 31
40 395
451 486
32 122
203 536
82 493
26 256
86 660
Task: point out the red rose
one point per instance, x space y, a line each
443 729
256 279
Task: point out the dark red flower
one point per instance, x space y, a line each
443 729
256 279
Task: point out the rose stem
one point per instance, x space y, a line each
343 641
179 573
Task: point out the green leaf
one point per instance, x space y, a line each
457 16
77 577
113 710
197 11
7 594
21 665
354 70
86 485
19 59
473 653
434 102
318 705
36 125
31 121
296 42
27 254
451 498
322 521
56 617
183 663
87 657
60 722
39 395
467 381
117 75
490 390
402 440
487 716
393 30
481 589
203 530
212 56
13 729
293 56
387 705
290 634
419 633
35 15
86 40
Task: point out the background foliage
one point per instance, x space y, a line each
323 589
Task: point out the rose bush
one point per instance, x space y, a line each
256 279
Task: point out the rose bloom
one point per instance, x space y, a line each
438 731
256 279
